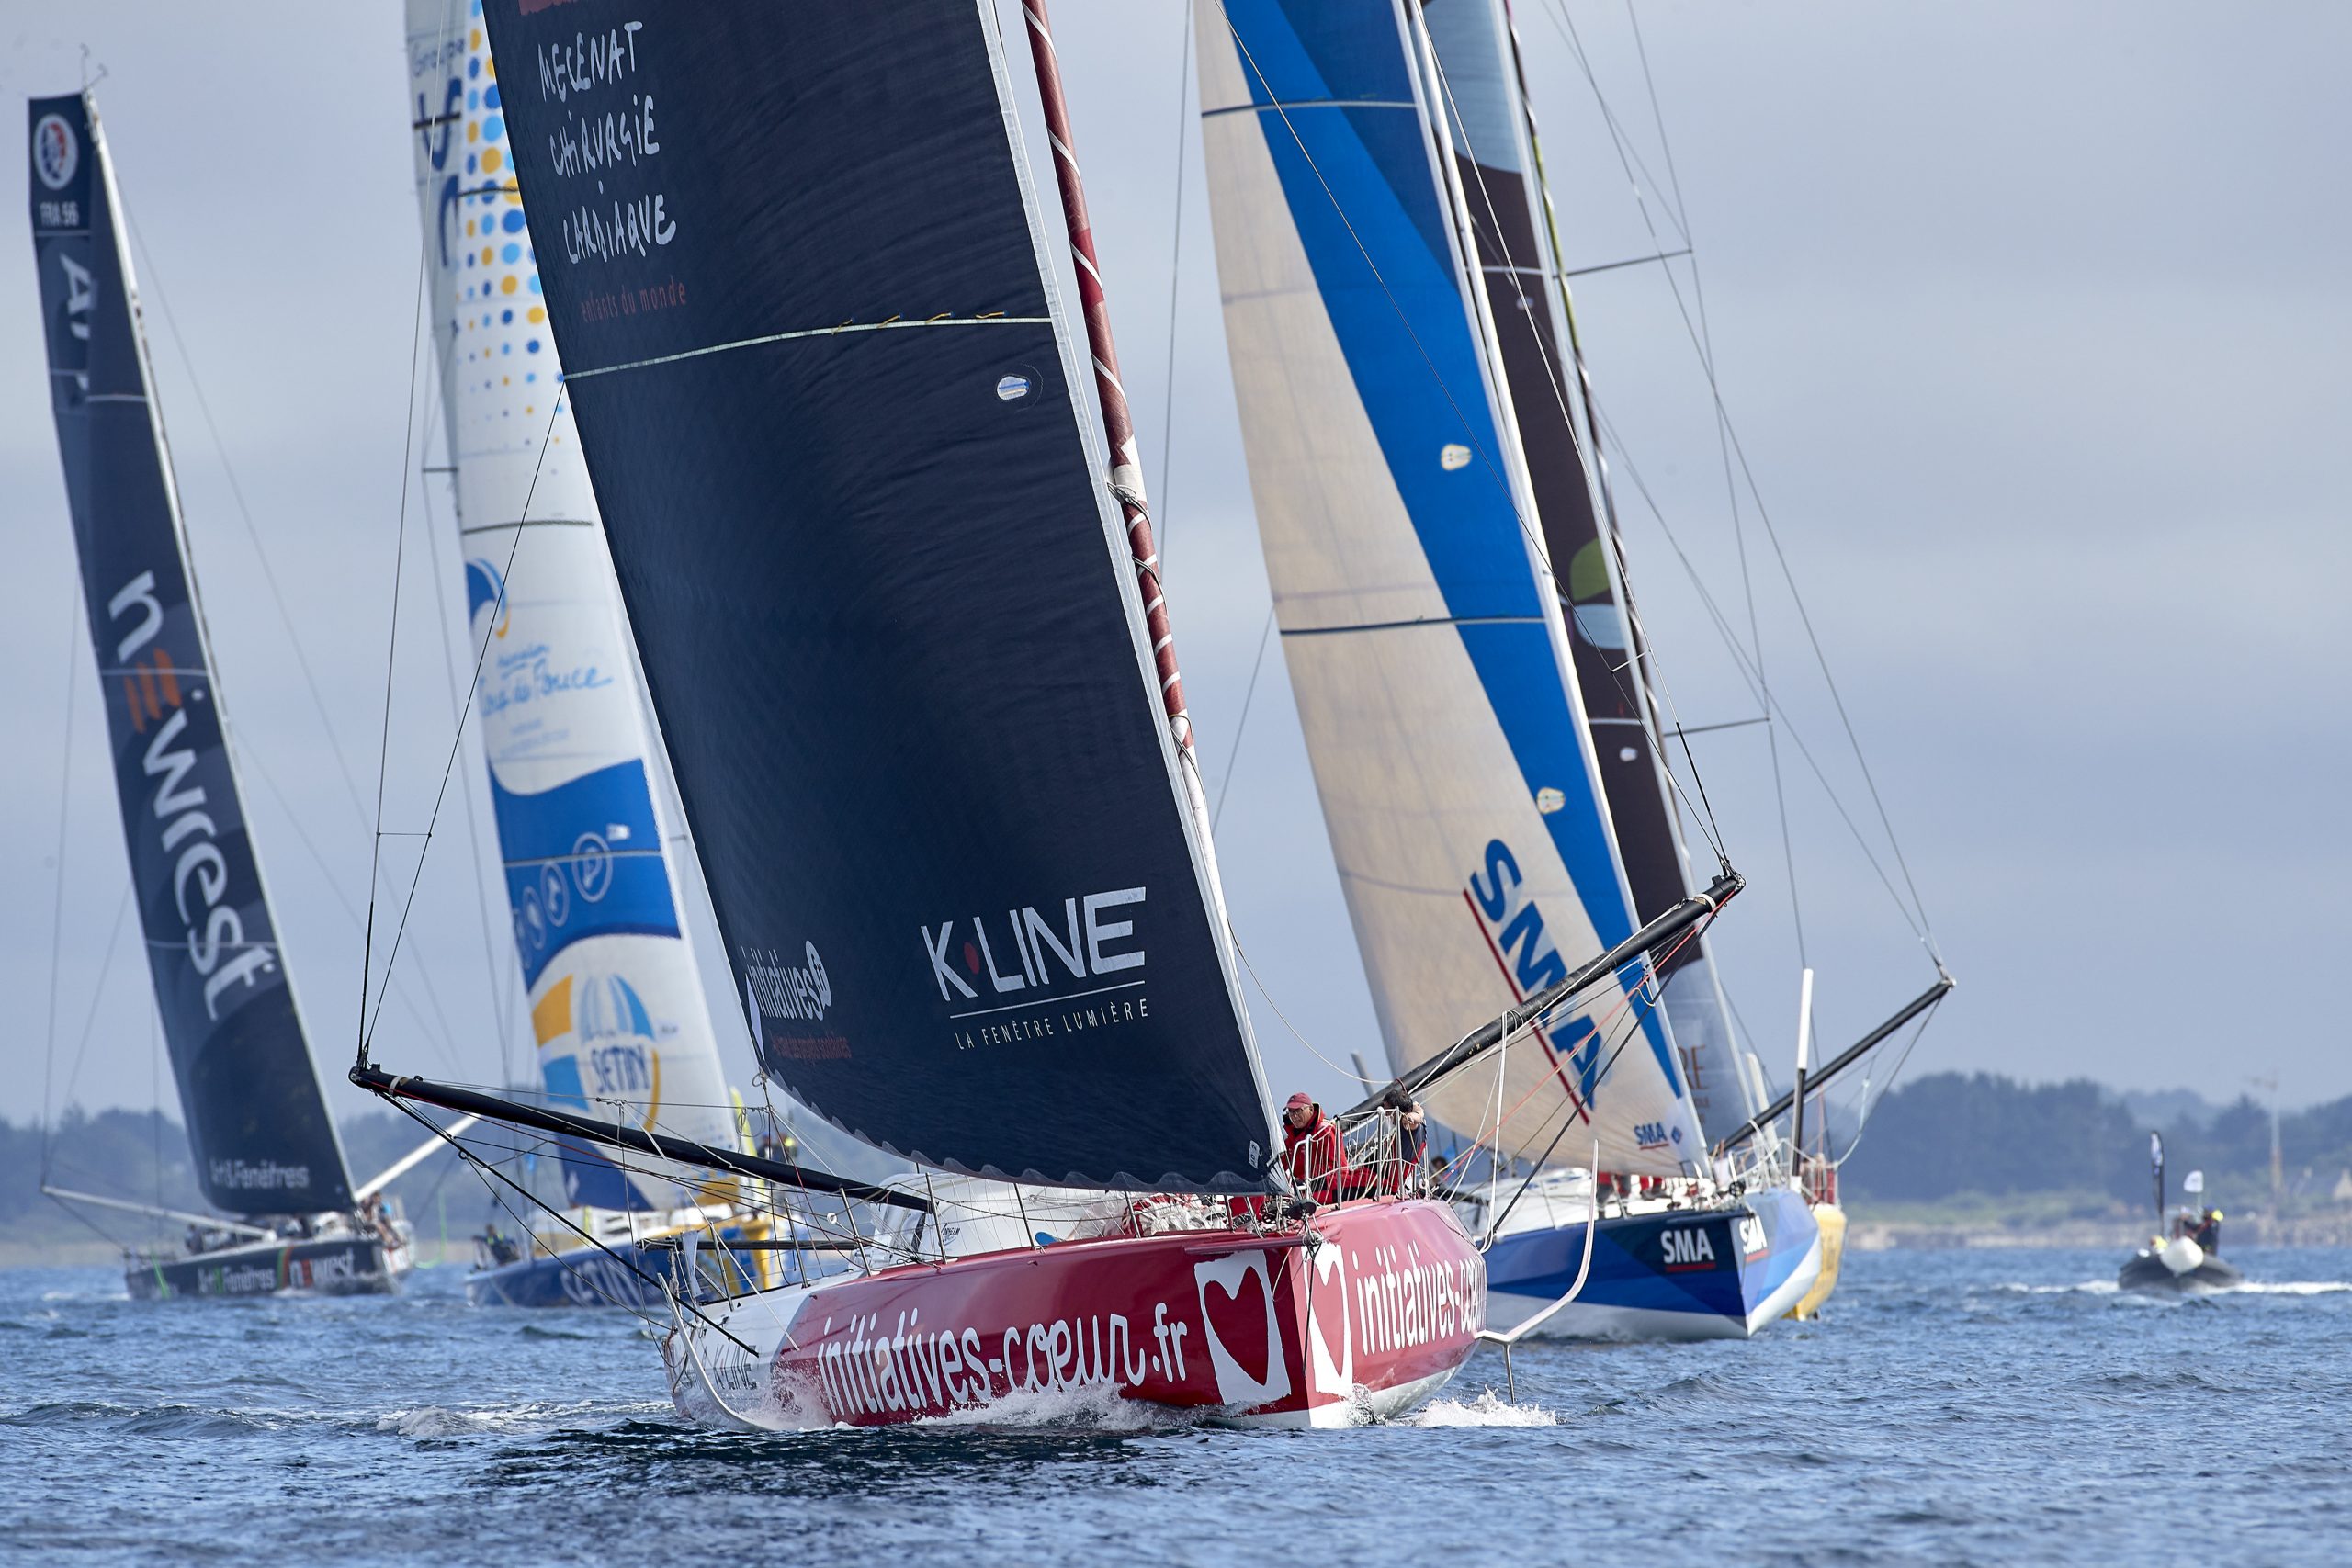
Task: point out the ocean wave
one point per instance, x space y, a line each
1489 1409
2292 1288
1086 1407
529 1415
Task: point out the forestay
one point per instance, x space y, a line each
831 405
1492 136
615 997
257 1123
1419 618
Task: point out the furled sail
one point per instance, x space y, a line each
1492 134
615 997
832 408
1419 621
257 1123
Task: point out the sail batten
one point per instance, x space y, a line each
883 598
257 1121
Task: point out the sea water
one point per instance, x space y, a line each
1983 1406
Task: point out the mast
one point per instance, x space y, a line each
257 1121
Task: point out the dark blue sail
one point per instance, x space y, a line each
258 1124
885 609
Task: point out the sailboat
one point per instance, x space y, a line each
614 994
874 498
1468 676
266 1152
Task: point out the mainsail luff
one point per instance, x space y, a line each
1419 623
1482 94
615 995
888 614
257 1121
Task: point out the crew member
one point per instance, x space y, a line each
1402 1170
1311 1150
2208 1233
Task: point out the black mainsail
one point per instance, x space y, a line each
887 610
256 1120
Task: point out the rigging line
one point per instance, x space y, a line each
391 663
1707 346
1871 1102
446 1039
500 997
98 993
1175 278
467 1154
253 535
57 899
1242 727
1629 157
456 742
1303 1040
1771 703
1544 350
1626 997
1731 436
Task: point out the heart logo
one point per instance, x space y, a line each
1334 1358
1245 1346
1238 1322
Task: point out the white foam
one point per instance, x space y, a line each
1489 1409
437 1421
2087 1288
2292 1288
1091 1407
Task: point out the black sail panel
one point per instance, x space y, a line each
256 1121
889 627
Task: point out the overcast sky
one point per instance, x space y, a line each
2031 320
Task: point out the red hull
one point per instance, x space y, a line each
1379 1311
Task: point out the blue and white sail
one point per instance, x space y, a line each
257 1121
1492 133
615 997
853 483
1421 621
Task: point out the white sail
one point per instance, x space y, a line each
1419 621
615 996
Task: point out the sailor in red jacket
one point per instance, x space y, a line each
1311 1150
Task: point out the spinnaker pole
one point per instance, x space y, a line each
563 1124
1820 1079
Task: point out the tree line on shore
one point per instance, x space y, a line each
1950 1133
1936 1138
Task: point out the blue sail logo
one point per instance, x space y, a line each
57 151
485 584
1529 960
